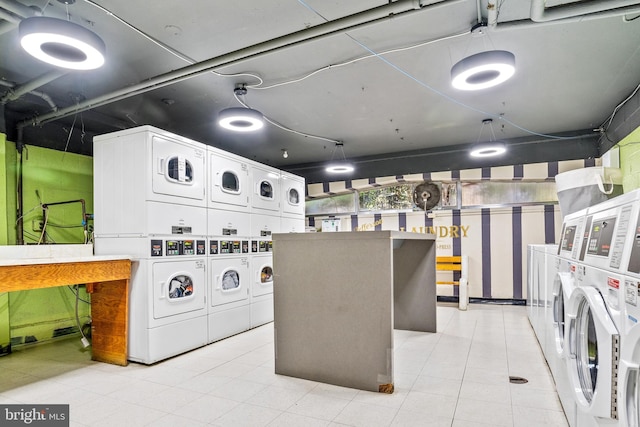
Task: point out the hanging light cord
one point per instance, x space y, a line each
434 90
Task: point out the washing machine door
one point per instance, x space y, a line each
230 280
629 379
594 348
263 279
266 189
229 186
179 169
179 287
562 289
293 192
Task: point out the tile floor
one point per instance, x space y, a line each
457 377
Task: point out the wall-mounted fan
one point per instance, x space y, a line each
426 195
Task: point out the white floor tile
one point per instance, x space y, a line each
457 377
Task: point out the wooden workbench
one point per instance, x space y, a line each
107 280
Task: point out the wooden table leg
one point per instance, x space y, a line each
109 321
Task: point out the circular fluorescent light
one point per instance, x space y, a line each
483 70
488 149
339 168
240 119
61 43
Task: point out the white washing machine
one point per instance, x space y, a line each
261 283
265 192
629 373
539 258
594 349
229 273
229 181
167 294
293 195
144 172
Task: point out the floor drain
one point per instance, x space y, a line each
518 380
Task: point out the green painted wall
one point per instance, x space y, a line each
7 226
630 161
49 176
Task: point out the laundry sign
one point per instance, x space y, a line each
443 231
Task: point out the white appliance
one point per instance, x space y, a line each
265 192
262 228
143 173
629 373
167 297
229 273
293 195
541 259
229 181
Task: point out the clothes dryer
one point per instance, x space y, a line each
540 261
265 194
293 195
229 181
145 172
229 273
167 297
262 279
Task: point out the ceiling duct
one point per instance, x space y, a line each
540 13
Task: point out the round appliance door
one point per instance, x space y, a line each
178 287
263 279
594 349
230 280
562 288
629 379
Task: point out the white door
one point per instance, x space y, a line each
594 348
293 195
265 195
229 184
629 379
178 287
262 267
178 169
229 280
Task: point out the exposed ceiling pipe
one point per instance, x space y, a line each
19 9
540 13
9 17
338 26
17 91
37 93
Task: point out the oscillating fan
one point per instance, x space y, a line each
426 195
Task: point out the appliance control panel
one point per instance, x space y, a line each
261 246
178 247
228 247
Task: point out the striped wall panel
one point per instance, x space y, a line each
534 171
494 239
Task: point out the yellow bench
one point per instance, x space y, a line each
456 263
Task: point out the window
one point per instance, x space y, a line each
179 170
230 182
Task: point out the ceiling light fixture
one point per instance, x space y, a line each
339 166
488 149
285 154
241 119
61 43
483 70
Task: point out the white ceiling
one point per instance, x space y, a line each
395 112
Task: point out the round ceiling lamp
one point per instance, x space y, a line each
240 119
61 43
483 70
488 149
339 166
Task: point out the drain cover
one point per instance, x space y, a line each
518 380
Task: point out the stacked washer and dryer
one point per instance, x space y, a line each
595 363
186 214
